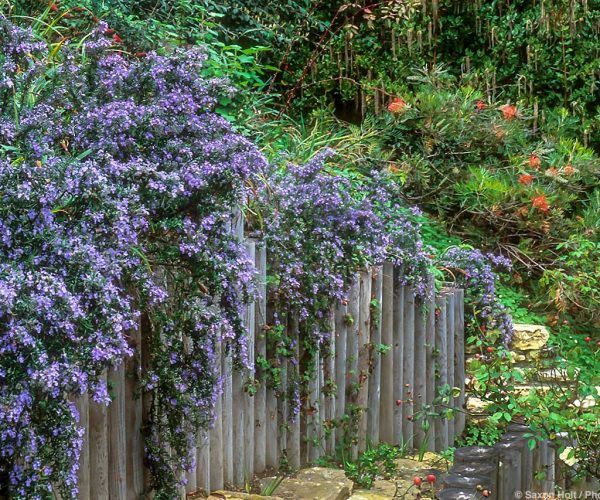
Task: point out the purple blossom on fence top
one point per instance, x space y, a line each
475 271
118 185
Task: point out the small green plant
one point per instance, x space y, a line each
482 433
377 462
269 488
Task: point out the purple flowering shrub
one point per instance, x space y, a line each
321 229
118 185
474 271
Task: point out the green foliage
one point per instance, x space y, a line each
575 283
375 463
480 433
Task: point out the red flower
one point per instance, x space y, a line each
534 161
431 478
140 54
480 105
540 203
117 38
568 170
509 111
397 105
54 7
552 172
526 179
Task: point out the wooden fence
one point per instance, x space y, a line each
390 352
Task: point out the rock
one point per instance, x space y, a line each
476 406
529 337
381 490
385 490
316 483
237 495
430 460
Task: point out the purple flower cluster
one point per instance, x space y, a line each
118 185
321 229
474 270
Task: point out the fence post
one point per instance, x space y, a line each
398 358
117 449
248 401
260 398
99 487
312 412
386 402
134 418
364 330
430 358
191 476
420 373
459 354
509 471
373 406
516 432
450 338
282 408
328 386
239 440
441 424
352 353
293 379
272 402
216 466
227 418
408 370
341 329
483 457
203 459
83 478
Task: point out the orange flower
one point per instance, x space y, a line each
525 179
540 203
552 172
480 105
397 105
534 161
509 111
568 170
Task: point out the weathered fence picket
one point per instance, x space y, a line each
430 358
408 367
98 425
364 330
378 366
419 378
387 400
398 360
260 352
441 344
340 334
373 406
